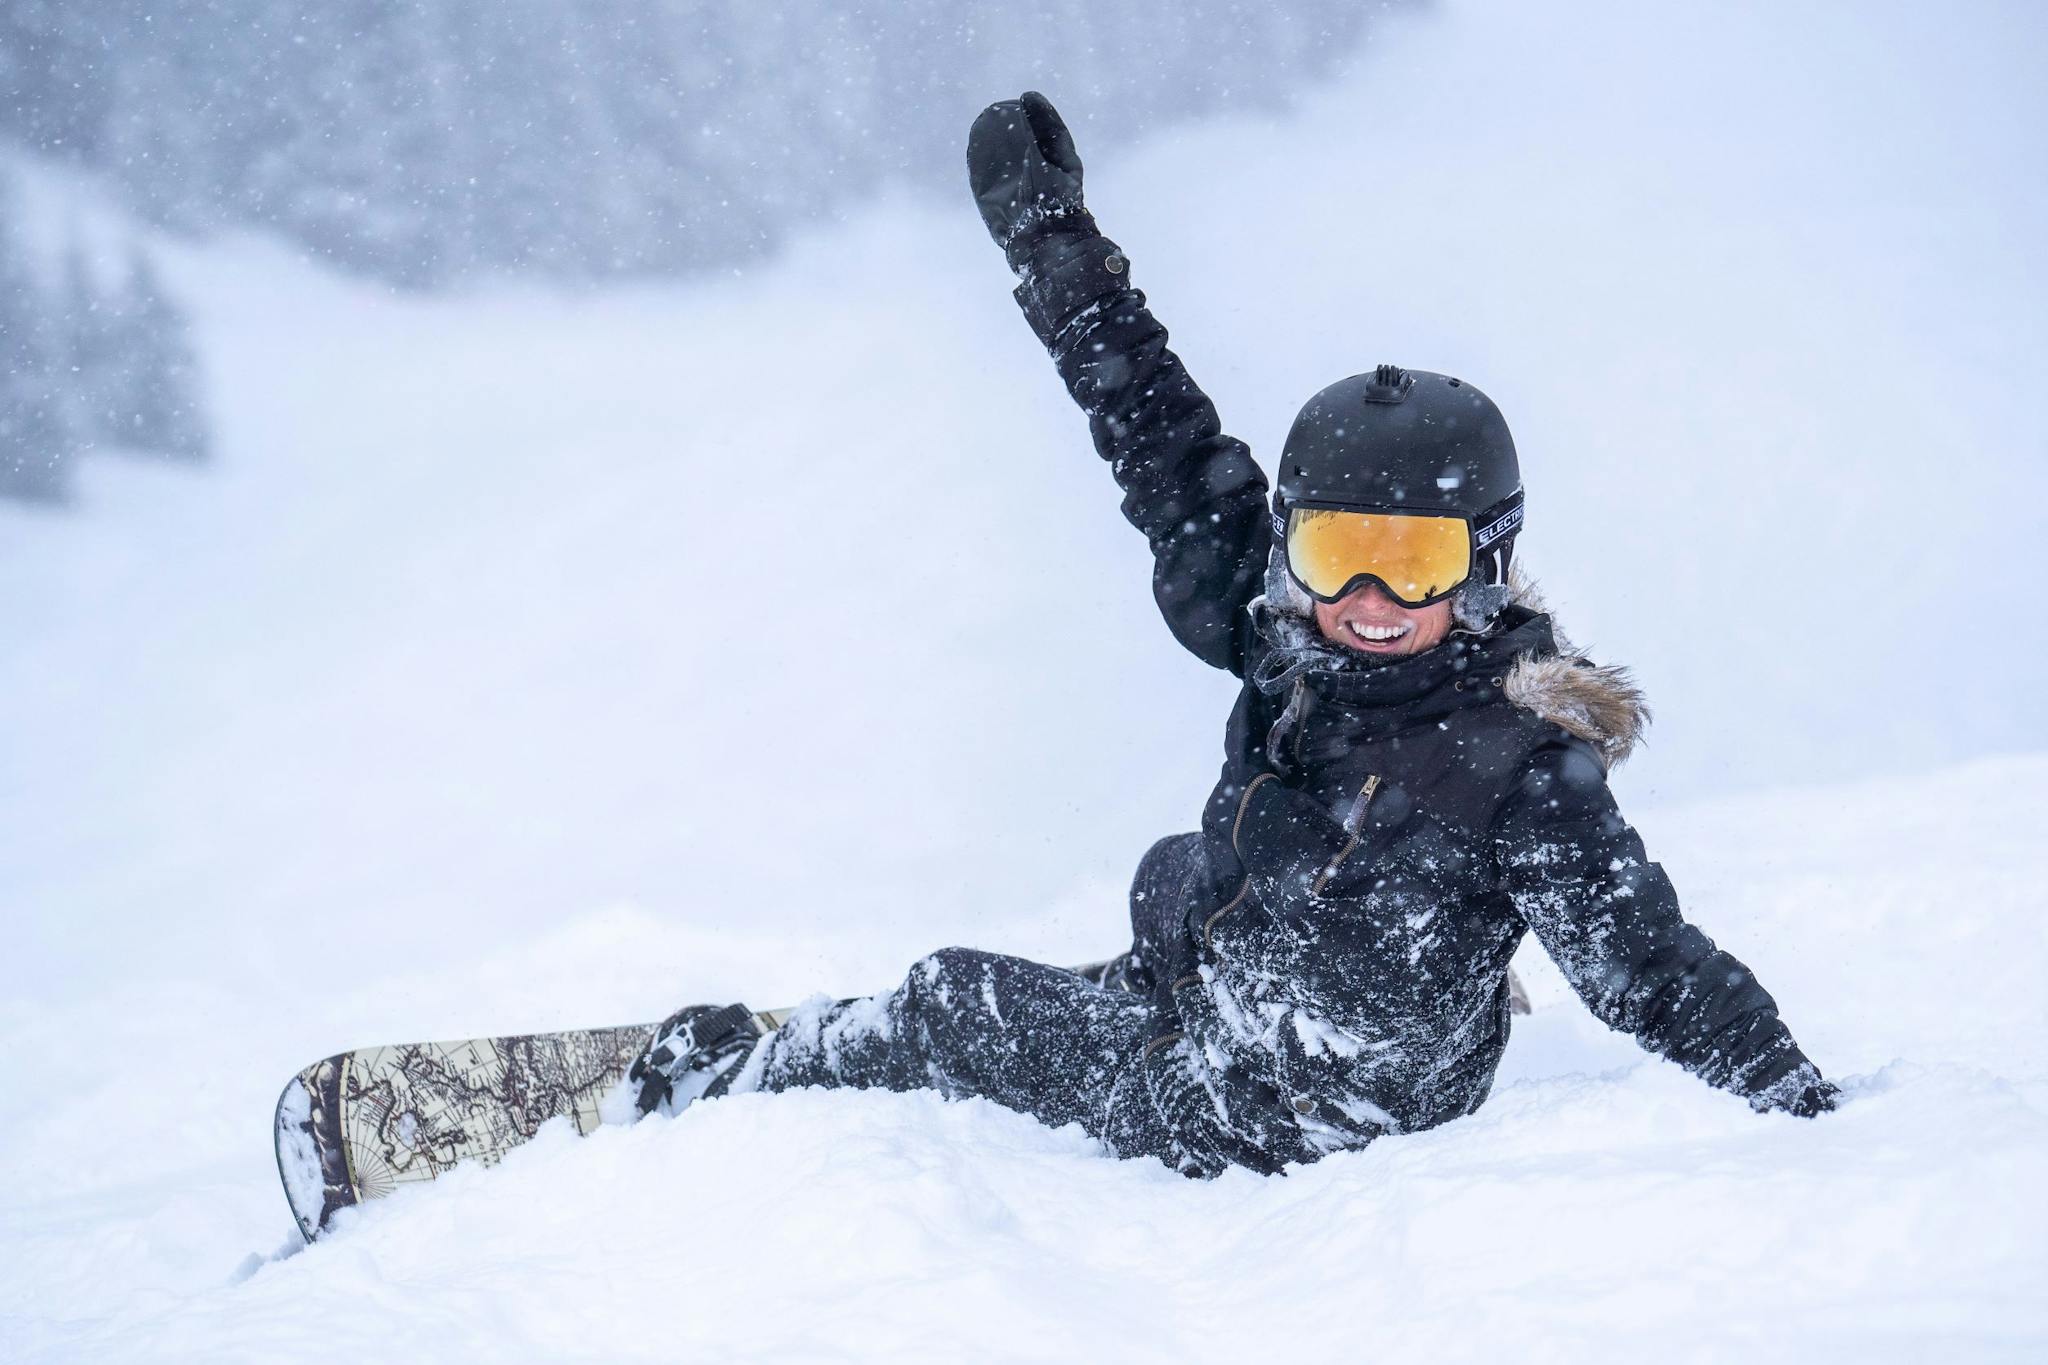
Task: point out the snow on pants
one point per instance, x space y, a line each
1033 1038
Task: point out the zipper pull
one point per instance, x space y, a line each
1354 819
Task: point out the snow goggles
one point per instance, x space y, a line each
1417 557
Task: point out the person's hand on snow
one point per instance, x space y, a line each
1802 1091
1025 174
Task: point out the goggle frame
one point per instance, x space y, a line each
1500 523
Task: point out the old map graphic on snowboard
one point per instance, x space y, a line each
360 1124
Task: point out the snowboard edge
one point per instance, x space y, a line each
312 1160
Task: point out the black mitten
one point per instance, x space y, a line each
1802 1092
1025 174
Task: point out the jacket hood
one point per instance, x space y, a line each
1600 703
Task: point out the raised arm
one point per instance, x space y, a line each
1608 916
1195 492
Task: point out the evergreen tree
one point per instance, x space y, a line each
154 403
40 425
92 346
131 372
83 368
421 140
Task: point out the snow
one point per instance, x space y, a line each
1601 1200
471 692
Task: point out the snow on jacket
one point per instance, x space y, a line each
1383 832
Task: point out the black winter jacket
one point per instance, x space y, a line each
1380 836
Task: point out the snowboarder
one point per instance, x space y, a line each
1414 776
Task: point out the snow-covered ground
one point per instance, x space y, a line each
1602 1205
535 660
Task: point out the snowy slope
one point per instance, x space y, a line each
533 660
1602 1201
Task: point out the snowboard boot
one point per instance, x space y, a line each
693 1055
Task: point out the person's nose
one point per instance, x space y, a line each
1371 596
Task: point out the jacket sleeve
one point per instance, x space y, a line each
1577 873
1196 493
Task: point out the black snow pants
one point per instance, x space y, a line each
1041 1040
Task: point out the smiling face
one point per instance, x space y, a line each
1368 620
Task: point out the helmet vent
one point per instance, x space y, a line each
1390 384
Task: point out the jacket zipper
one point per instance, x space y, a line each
1354 824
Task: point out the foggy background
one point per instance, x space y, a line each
487 467
426 142
422 141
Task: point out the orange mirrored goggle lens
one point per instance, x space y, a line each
1416 558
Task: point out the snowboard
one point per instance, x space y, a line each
361 1124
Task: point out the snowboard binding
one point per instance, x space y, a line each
693 1054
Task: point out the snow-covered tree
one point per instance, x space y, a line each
84 366
134 363
41 425
421 140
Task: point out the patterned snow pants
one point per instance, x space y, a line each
1041 1040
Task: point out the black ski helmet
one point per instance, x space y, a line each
1402 440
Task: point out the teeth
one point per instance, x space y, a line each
1379 634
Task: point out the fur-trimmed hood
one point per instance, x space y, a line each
1600 703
